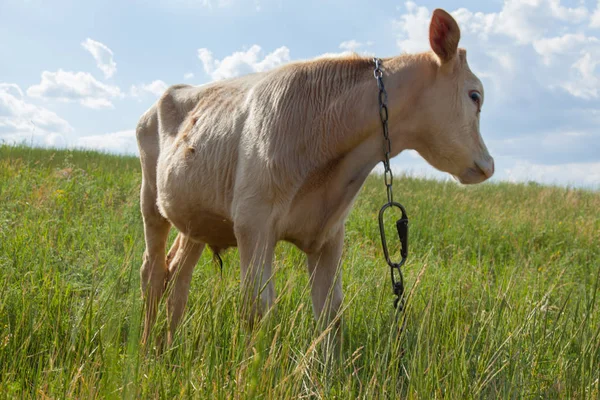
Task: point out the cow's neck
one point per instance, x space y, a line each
350 143
360 142
357 145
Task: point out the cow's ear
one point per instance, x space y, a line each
444 35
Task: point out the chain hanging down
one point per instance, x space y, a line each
401 224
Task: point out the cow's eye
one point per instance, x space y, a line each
476 97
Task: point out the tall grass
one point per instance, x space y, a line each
506 302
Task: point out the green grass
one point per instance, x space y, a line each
506 305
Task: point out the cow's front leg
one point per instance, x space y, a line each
256 247
181 266
325 272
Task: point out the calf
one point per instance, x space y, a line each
281 155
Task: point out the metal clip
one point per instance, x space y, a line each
395 268
402 227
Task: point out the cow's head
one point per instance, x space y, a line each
451 106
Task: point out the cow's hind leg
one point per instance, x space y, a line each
173 250
184 259
156 227
154 268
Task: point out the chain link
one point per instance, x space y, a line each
396 271
387 144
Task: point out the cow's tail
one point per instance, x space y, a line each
217 257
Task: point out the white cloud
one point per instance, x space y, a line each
512 47
549 48
595 19
522 20
122 142
554 148
103 56
350 45
156 88
576 174
572 60
341 54
23 121
207 59
193 4
357 47
8 87
242 62
527 20
215 3
188 75
414 28
577 14
586 83
70 86
504 59
354 45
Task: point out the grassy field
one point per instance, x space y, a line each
506 302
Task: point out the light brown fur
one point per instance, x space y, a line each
281 155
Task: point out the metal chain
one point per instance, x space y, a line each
387 145
402 225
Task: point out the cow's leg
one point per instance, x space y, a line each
181 266
325 272
256 248
154 268
173 249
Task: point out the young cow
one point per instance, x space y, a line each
281 155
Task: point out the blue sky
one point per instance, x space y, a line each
80 73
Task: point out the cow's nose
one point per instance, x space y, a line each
486 165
